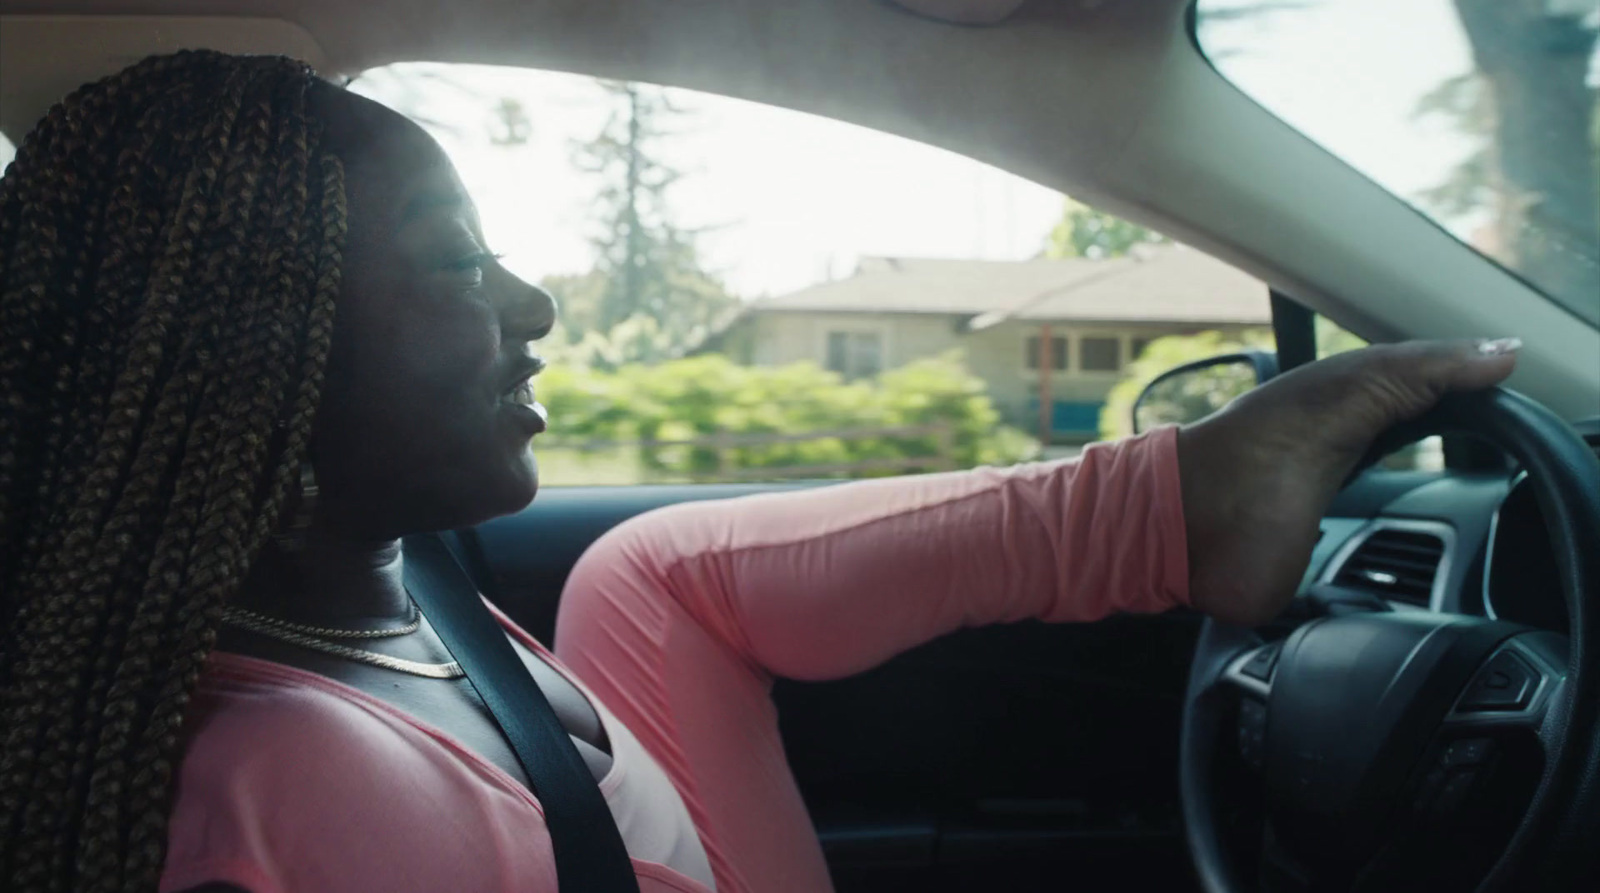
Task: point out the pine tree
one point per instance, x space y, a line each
647 267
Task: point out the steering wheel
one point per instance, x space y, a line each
1413 750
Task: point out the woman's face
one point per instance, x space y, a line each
423 425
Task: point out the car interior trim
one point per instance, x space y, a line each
1441 574
1488 549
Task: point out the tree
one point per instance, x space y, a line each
511 125
578 298
647 268
1085 232
1534 171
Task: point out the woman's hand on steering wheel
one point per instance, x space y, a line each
1258 476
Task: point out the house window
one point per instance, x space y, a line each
1058 352
1100 354
855 354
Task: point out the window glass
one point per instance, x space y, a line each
1333 338
751 293
1167 352
1099 354
1482 114
839 351
7 152
855 354
1058 352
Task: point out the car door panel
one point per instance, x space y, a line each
1025 747
1007 757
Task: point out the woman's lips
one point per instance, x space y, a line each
532 416
522 393
520 401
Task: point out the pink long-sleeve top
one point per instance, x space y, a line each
673 625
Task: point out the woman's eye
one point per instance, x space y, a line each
473 264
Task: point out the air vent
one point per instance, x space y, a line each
1396 564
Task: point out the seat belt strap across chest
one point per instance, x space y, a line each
589 852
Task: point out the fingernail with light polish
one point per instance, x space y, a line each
1499 346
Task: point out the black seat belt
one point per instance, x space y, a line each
590 856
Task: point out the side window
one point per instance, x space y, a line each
1333 338
749 293
1100 354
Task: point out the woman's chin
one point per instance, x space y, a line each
507 489
522 470
523 485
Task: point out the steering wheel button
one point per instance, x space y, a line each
1469 752
1505 683
1252 732
1428 788
1260 664
1455 791
1253 718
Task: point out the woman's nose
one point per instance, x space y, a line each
527 313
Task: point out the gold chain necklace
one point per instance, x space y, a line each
285 631
231 613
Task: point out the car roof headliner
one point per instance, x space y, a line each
789 54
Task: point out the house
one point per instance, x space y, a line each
1091 317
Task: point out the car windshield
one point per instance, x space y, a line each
1482 114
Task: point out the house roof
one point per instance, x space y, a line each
1168 283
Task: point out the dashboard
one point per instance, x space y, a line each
1463 543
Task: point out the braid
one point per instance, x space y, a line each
170 246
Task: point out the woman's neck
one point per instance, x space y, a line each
331 580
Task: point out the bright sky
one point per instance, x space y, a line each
796 198
792 196
1349 74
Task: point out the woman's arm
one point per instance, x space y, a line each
824 583
678 620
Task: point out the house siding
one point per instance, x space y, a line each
775 339
997 354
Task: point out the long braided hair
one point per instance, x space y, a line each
170 247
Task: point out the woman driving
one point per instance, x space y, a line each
251 335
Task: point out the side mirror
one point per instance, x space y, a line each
1195 390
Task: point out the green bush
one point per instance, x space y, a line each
707 395
1169 352
1161 355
